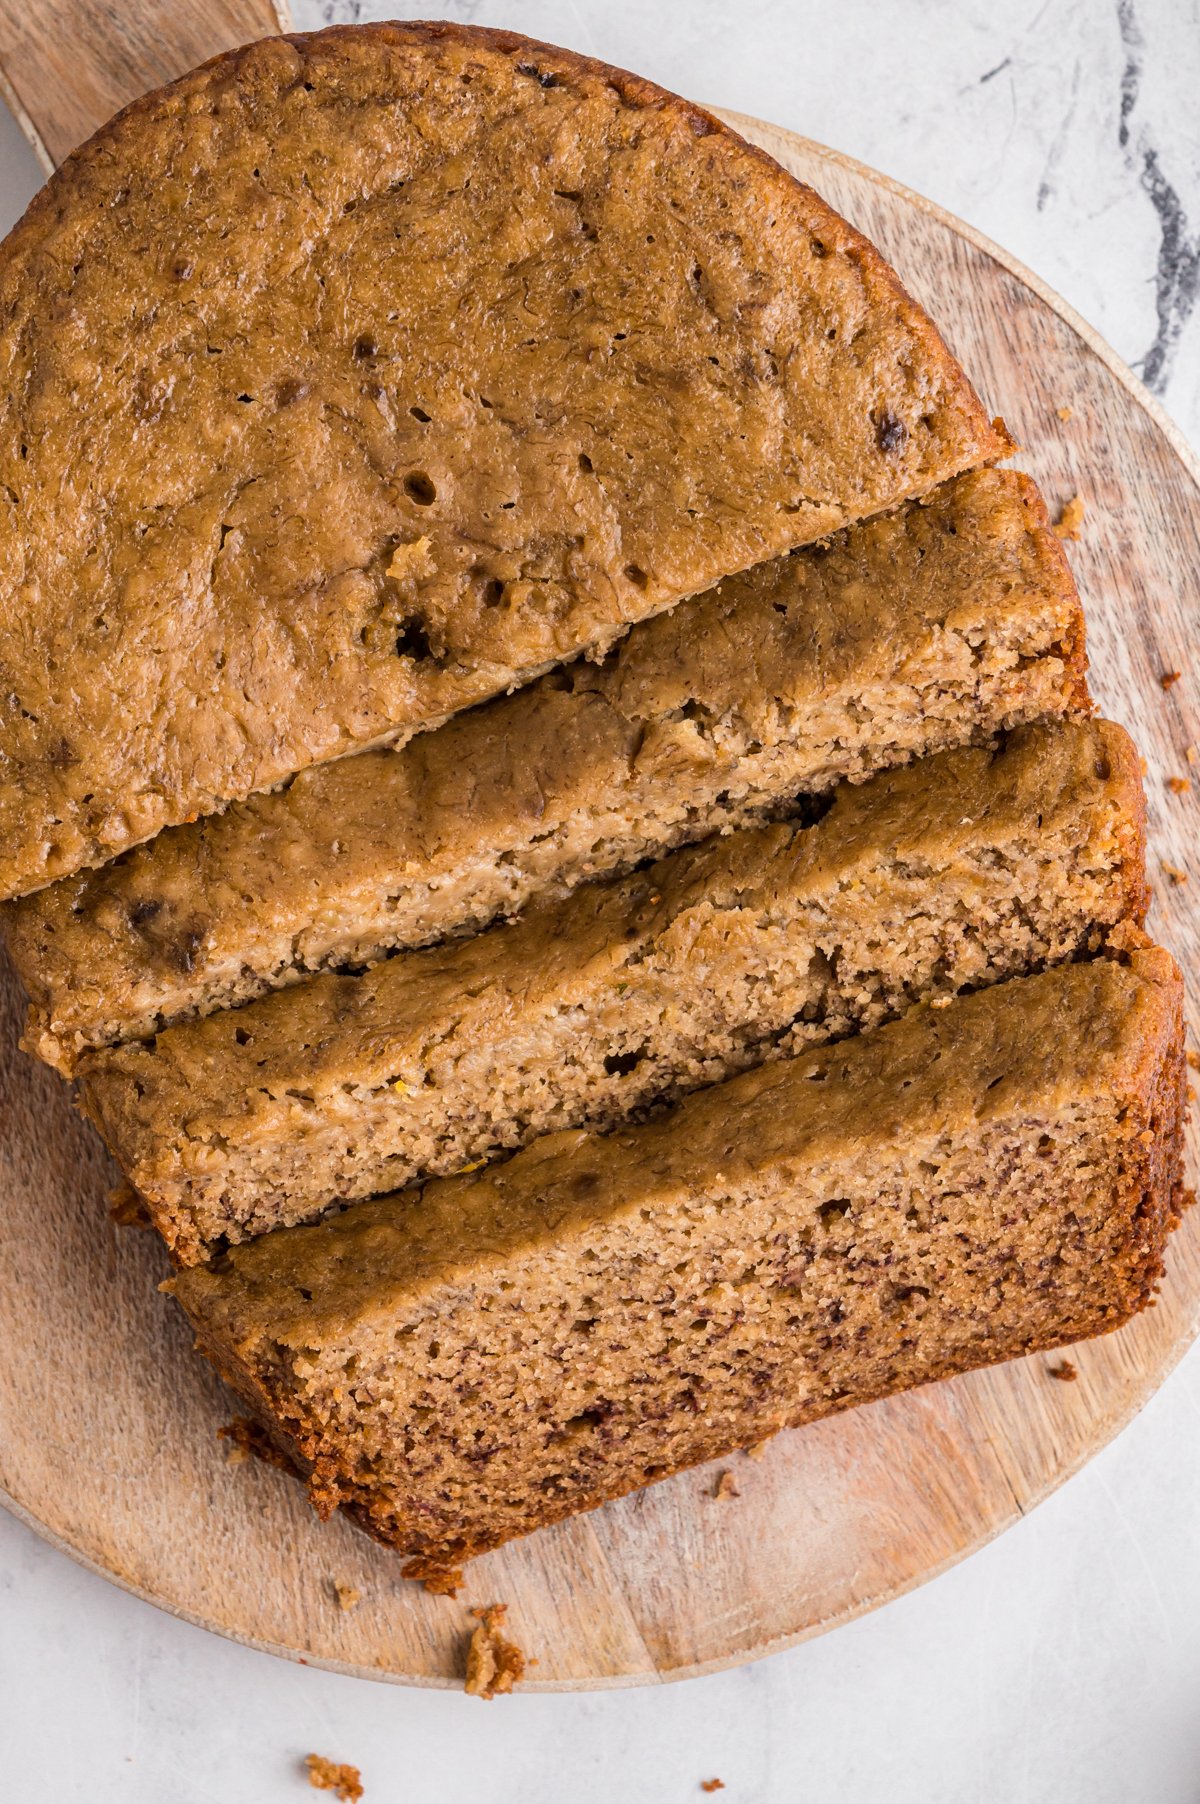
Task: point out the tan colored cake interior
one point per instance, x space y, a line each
930 627
362 442
463 1363
548 790
962 870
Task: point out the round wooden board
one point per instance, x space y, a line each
108 1423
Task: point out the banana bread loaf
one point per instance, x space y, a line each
463 1363
925 628
355 377
958 871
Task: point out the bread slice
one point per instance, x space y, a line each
464 1363
934 625
961 870
451 355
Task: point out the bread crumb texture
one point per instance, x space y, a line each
389 439
1070 519
126 1208
247 1437
345 1782
494 1664
467 1361
956 872
938 624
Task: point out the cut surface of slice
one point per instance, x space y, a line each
962 870
463 1363
451 355
937 624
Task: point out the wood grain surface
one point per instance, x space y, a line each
108 1423
68 65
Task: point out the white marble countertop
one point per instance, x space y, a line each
1059 1665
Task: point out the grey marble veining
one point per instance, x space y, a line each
1057 1666
1068 130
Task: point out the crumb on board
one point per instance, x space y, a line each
1179 786
726 1485
1192 754
757 1449
348 1596
126 1208
1064 1371
1169 678
1065 414
1070 519
345 1782
246 1437
712 1785
1193 1059
439 1580
443 1584
494 1664
1174 873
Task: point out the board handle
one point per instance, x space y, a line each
68 65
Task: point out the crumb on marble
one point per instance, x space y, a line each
494 1664
712 1785
1070 519
345 1782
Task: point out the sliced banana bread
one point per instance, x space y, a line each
958 871
463 1363
355 377
929 627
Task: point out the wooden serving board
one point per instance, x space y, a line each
108 1423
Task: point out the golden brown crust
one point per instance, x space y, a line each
494 1663
954 872
1032 1133
343 1780
328 519
937 624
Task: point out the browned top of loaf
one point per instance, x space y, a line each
354 376
734 663
1070 1036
